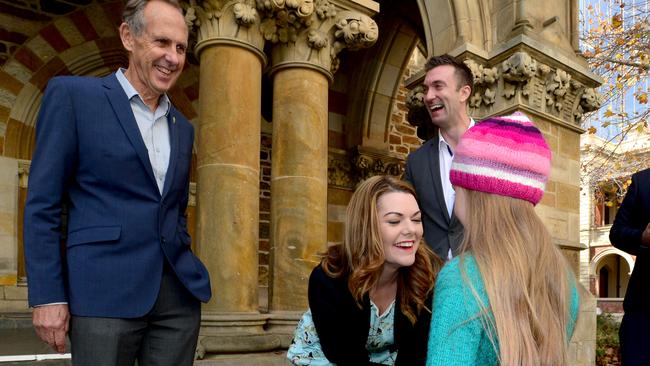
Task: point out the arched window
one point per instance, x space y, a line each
603 282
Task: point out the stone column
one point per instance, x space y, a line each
228 146
298 182
308 37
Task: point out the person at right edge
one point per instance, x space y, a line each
509 298
631 233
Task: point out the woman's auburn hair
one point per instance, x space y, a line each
526 277
361 254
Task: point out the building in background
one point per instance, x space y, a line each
605 270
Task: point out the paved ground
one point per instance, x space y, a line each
23 341
18 338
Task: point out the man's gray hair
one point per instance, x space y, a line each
133 14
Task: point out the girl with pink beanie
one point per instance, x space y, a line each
509 298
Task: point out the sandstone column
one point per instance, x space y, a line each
308 37
230 50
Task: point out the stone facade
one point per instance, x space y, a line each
294 103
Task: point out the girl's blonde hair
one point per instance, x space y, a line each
361 255
526 278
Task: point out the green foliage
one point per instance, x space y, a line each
607 340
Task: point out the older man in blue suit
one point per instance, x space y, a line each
127 285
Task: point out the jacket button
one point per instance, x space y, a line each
162 239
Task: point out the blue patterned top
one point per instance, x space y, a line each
305 347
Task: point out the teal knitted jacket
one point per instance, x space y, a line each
456 335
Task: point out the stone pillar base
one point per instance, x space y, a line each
283 324
278 358
231 333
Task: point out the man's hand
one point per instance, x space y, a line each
51 324
645 237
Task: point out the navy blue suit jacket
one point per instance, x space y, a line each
441 232
90 154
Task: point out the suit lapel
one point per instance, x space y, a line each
434 165
122 108
173 149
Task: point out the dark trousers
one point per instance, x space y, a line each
167 335
633 336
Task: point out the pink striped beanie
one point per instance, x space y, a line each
507 156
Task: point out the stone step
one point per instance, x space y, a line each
278 358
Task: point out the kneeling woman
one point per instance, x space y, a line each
370 297
510 298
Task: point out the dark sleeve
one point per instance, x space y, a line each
407 172
182 216
630 222
52 167
340 324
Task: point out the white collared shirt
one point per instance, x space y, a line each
153 127
445 158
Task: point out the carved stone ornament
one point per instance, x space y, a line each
418 115
518 70
356 32
313 37
245 14
519 80
368 165
232 20
23 173
317 39
346 170
353 31
590 100
339 172
192 195
485 79
557 85
284 19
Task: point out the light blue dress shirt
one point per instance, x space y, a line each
153 127
446 157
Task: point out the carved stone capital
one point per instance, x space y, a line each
284 19
340 172
521 77
347 169
485 79
314 38
234 22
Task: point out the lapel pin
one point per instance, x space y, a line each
173 119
